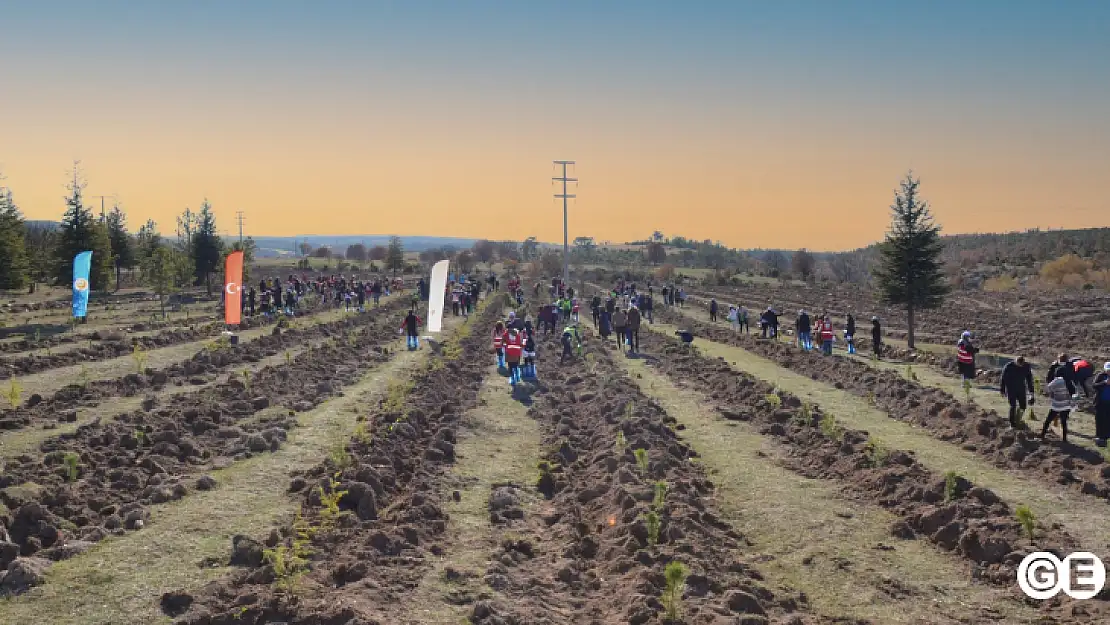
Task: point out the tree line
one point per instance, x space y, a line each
42 252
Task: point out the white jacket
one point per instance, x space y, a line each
1060 398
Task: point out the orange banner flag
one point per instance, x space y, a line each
233 288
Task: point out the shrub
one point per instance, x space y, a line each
1066 270
830 428
876 453
675 576
139 356
1027 519
660 495
774 400
653 525
1000 284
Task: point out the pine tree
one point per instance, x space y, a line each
80 232
207 248
910 272
123 251
14 265
147 240
395 257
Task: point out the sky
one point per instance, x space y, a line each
759 124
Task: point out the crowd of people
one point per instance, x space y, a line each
273 297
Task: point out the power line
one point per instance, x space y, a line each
566 238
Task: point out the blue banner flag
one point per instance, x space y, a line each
82 264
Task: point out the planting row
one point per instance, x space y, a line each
629 533
955 515
219 356
101 479
984 432
369 516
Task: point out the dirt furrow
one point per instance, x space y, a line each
370 516
196 370
954 514
101 479
980 431
617 520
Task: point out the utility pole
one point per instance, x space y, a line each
102 217
239 218
566 238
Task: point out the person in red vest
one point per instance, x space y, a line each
514 351
499 343
1083 374
825 329
965 356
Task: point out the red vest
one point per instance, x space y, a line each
963 354
498 340
826 330
514 348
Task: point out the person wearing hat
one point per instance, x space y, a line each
1016 377
1102 406
965 356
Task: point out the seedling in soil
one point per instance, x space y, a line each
339 457
871 400
621 442
139 356
83 377
830 428
70 460
362 434
675 574
653 523
38 334
950 492
876 453
629 408
660 495
910 373
288 357
329 502
15 393
290 563
140 436
967 391
804 416
246 375
774 400
1027 519
641 460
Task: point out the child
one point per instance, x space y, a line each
514 349
1061 405
410 324
570 340
499 343
529 350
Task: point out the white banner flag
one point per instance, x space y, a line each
437 293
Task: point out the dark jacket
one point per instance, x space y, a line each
1016 377
876 332
804 323
633 319
851 329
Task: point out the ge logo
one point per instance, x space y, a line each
81 284
1042 575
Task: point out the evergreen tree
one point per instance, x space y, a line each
14 265
166 270
123 251
910 272
207 248
395 256
147 240
80 232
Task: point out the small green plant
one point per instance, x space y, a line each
629 408
362 433
329 502
830 428
967 391
641 460
653 525
950 482
291 562
288 357
1027 519
139 357
246 375
675 576
70 461
621 442
339 457
871 399
660 495
910 373
139 436
804 415
15 393
876 453
774 399
83 377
